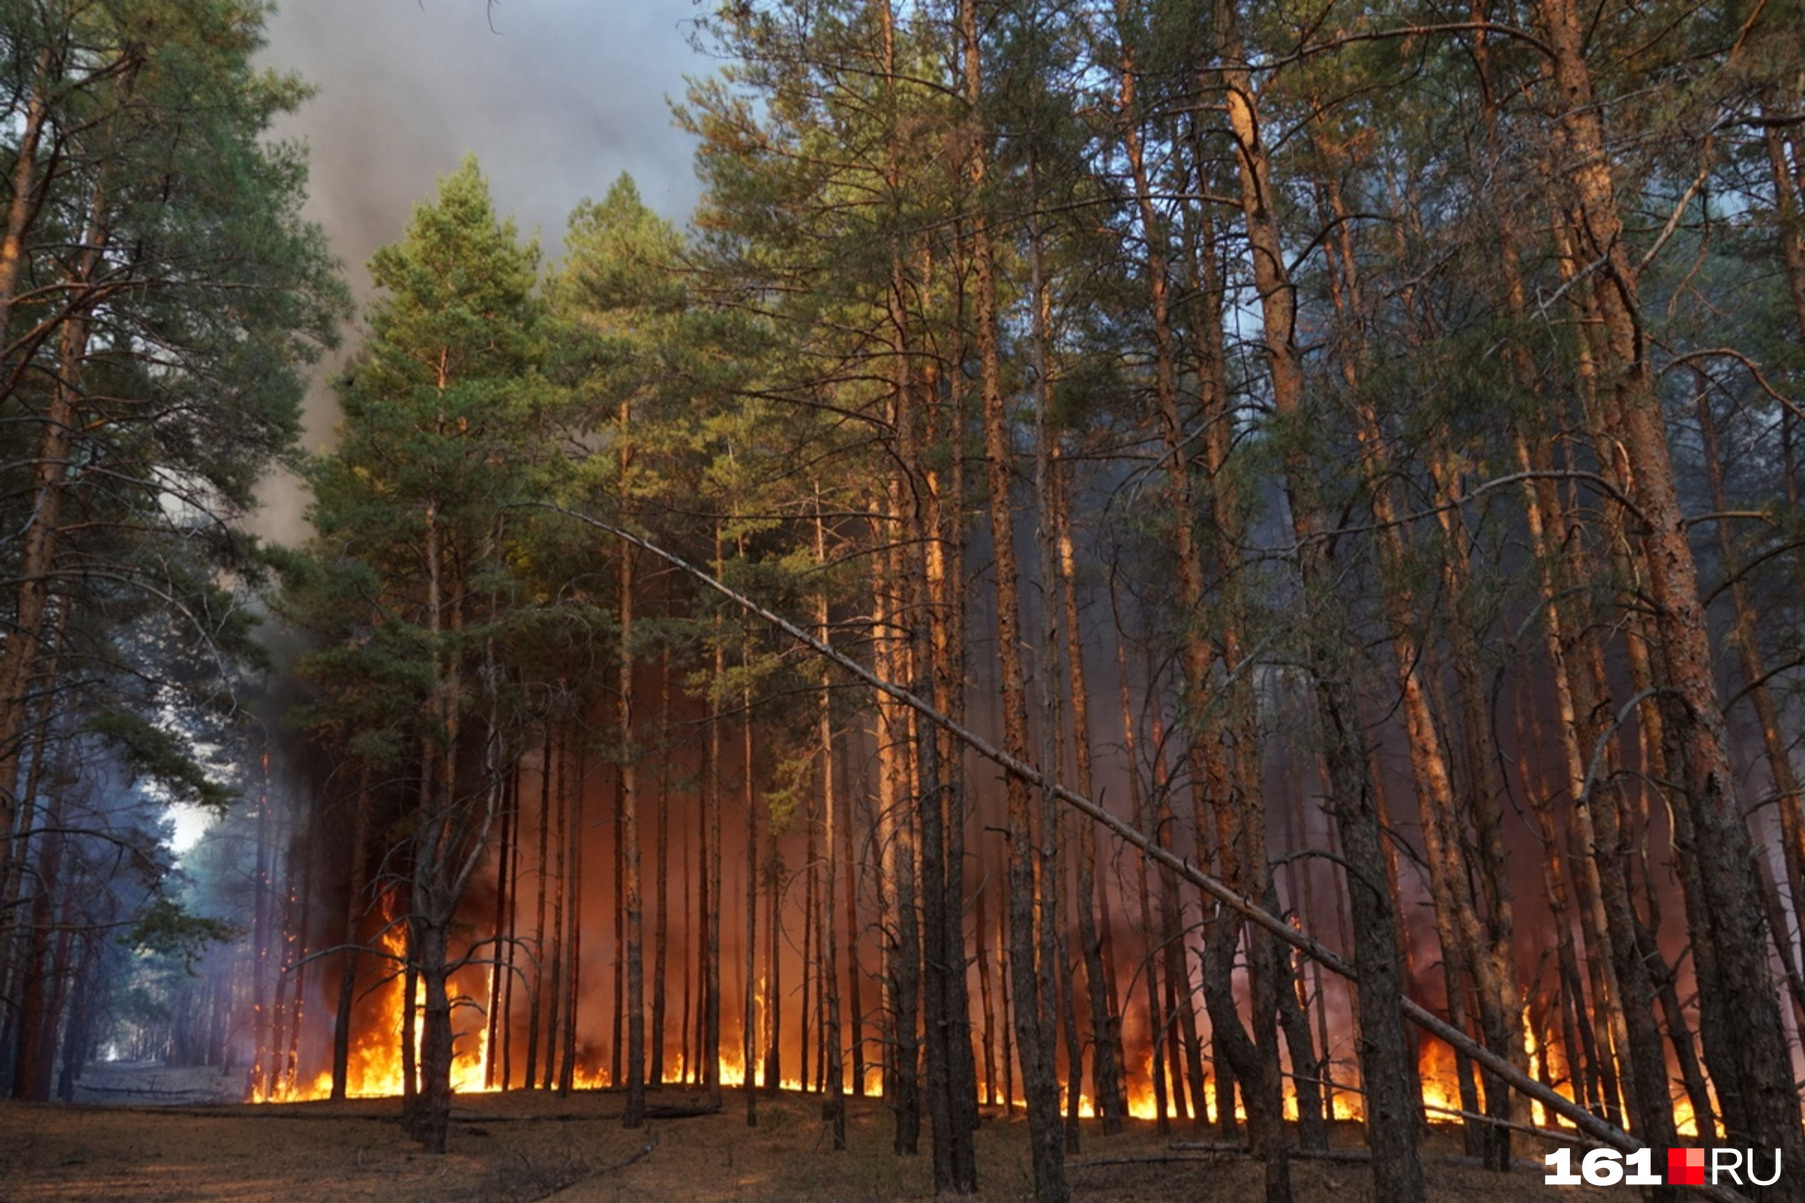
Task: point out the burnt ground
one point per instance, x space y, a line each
118 1145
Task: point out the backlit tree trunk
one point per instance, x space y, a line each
1386 1069
1107 1092
1753 1073
634 1114
1033 1025
834 1104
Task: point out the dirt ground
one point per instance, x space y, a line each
521 1146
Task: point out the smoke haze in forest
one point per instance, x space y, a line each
1261 562
555 97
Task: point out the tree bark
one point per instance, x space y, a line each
511 945
854 970
834 1103
1752 1071
502 901
1386 1069
24 644
1144 821
634 1114
773 992
1107 1090
655 1074
749 1031
536 998
1746 639
1033 1026
560 875
711 902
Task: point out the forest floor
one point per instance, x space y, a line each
117 1145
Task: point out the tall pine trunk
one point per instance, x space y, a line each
662 870
1033 1025
1751 1069
834 1104
1387 1071
634 1114
1107 1090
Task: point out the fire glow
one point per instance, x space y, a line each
374 1066
375 1069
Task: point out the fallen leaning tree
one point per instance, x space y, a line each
1603 1132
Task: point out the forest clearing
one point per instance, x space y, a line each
1135 599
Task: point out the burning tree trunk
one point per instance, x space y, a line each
1577 1040
410 1025
1573 699
1484 790
1235 1056
1309 1056
263 927
1226 754
294 969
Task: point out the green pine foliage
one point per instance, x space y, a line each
443 415
161 301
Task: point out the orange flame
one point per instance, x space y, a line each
1441 1081
373 1068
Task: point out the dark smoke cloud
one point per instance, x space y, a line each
555 97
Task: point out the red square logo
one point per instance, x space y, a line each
1685 1167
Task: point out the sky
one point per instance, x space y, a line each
555 97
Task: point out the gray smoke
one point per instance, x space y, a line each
555 97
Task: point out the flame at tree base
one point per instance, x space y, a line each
373 1066
374 1070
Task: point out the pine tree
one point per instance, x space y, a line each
159 299
413 520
